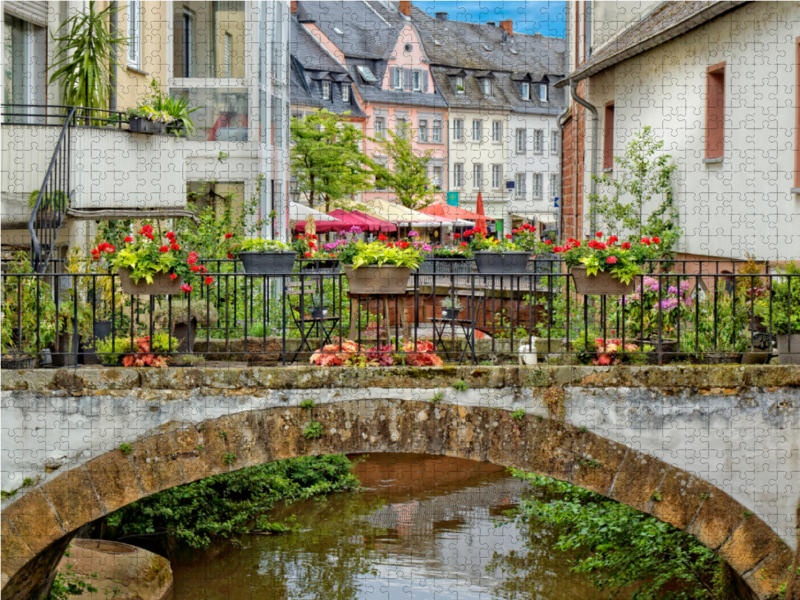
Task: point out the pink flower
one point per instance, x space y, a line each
611 260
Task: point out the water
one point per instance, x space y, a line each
424 529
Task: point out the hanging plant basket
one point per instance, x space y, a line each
502 263
601 284
377 280
142 125
268 263
162 285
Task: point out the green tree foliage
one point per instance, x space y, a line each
227 505
68 584
84 57
620 548
642 174
327 160
405 173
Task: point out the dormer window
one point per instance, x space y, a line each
526 91
326 90
543 92
487 87
345 92
459 85
366 74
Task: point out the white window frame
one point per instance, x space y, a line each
497 132
460 83
487 87
497 177
544 92
477 130
326 90
380 127
345 92
135 34
554 142
526 91
520 141
437 180
398 82
477 176
519 185
437 132
536 186
458 130
422 131
538 141
553 185
188 41
416 80
228 55
458 175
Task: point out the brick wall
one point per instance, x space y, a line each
573 157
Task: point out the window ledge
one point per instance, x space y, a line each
713 161
795 190
608 170
137 70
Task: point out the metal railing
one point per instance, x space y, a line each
281 320
57 114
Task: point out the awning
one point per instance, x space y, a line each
540 217
400 215
451 212
364 222
300 212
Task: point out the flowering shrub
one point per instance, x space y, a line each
461 251
349 353
480 243
526 237
652 297
335 355
607 351
623 261
421 355
147 257
782 311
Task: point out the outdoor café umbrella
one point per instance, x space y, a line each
365 222
480 223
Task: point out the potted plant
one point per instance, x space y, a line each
147 266
139 352
607 268
653 299
316 258
451 306
382 267
781 309
264 257
497 257
146 119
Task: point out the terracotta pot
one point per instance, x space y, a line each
787 355
377 280
162 285
602 284
502 263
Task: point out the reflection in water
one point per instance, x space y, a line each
426 527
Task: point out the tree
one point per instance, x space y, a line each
408 176
643 173
327 160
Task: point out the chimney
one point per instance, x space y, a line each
508 26
405 7
441 16
294 7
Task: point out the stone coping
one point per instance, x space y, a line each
716 378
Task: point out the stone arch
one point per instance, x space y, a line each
39 524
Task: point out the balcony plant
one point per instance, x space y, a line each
460 251
607 268
139 352
262 257
719 334
451 306
382 267
781 309
656 298
497 256
144 118
307 246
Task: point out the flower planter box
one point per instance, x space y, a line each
268 263
314 264
449 313
789 349
602 284
377 280
502 263
142 125
162 285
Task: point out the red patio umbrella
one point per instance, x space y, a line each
367 223
323 226
450 212
480 222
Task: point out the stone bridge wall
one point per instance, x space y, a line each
712 450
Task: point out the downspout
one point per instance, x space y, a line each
573 86
112 97
560 125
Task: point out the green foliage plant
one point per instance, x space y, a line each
229 458
405 174
776 311
451 303
624 261
401 254
460 385
313 430
165 108
437 397
308 404
518 415
479 242
125 448
68 584
21 296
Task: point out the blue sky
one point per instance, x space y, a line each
545 17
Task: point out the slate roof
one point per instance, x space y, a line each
665 22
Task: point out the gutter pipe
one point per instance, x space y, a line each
573 86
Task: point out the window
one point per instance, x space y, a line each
608 137
477 176
715 111
326 90
209 38
458 129
345 92
210 123
134 34
188 42
537 185
487 87
459 85
397 78
437 132
402 126
543 95
416 79
25 44
520 141
519 184
380 127
538 141
526 91
422 132
437 179
366 74
554 142
497 176
553 186
476 130
458 175
497 131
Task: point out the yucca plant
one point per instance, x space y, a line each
85 57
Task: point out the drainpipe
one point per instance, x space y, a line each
573 86
560 124
112 97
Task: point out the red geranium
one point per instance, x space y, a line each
612 260
164 249
382 238
173 276
186 288
209 280
128 239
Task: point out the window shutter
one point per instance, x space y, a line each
424 81
391 77
407 79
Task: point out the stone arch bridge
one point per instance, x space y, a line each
715 451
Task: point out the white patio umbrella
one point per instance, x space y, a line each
300 212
